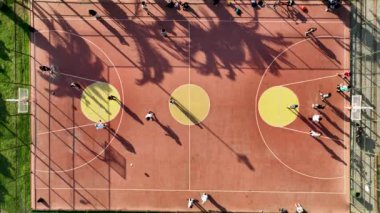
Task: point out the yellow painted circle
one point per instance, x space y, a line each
95 104
191 106
273 106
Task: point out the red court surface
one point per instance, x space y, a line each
243 163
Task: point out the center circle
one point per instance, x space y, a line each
274 106
191 104
95 104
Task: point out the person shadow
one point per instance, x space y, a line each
126 109
199 206
216 204
169 131
127 145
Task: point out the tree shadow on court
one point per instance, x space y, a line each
151 63
85 65
216 204
225 52
169 131
127 145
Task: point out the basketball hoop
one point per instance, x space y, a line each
356 108
22 100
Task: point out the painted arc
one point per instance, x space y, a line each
95 104
191 105
273 106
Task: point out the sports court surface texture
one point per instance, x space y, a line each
233 76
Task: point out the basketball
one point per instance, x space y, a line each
303 8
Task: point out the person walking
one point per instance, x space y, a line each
45 69
290 3
310 31
314 134
144 6
150 116
325 96
93 13
186 6
343 88
318 106
172 101
299 208
76 85
190 203
100 125
164 33
345 75
112 98
316 118
293 106
204 198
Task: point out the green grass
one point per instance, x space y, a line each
378 183
14 128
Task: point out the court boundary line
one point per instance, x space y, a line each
189 155
134 18
195 190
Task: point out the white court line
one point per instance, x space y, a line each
188 26
244 20
65 129
196 190
295 130
314 79
75 76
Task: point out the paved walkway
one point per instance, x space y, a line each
365 55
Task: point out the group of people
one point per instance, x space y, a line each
191 201
316 118
341 88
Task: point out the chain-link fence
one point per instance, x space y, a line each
365 81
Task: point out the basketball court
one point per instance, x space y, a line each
228 131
